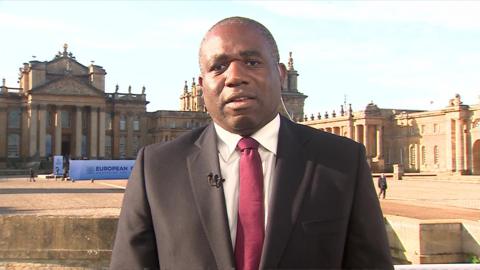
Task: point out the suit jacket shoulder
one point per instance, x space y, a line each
328 149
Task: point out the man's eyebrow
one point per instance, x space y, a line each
222 57
216 58
250 53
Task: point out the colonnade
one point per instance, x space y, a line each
370 135
37 130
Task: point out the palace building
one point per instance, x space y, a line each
61 107
439 141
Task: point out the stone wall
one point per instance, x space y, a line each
73 242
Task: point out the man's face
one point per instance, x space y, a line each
240 78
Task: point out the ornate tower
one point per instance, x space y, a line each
293 99
192 100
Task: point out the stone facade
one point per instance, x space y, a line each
62 107
439 141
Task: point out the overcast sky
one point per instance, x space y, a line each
406 54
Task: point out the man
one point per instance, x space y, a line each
382 185
32 175
252 190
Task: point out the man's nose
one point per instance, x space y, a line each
236 74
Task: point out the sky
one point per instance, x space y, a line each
403 55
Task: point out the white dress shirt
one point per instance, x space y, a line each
229 159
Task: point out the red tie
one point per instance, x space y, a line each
250 225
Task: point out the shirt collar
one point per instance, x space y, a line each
267 137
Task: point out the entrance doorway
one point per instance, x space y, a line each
66 146
476 158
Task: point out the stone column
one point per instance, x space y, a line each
58 131
32 125
129 141
459 146
450 144
93 132
25 133
42 129
357 133
3 132
101 133
115 135
350 130
379 141
78 132
366 141
468 147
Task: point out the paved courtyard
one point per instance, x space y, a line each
422 199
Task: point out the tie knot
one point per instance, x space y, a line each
247 143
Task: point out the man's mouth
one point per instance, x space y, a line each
239 102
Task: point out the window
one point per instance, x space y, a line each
13 149
413 156
14 118
65 119
136 143
122 147
85 117
435 154
48 145
422 129
84 145
108 121
123 122
424 155
136 123
435 128
108 146
49 119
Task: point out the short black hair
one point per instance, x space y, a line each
245 21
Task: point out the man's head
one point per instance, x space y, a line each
241 75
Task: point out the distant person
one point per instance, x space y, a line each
382 185
32 175
251 190
65 174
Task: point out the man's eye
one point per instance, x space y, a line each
252 63
219 67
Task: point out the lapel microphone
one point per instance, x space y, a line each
215 180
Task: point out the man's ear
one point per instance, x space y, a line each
200 81
282 70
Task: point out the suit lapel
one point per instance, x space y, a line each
291 178
210 200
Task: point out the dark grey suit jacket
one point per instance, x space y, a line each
324 212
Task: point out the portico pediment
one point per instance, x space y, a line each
68 86
66 65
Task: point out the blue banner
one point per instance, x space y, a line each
58 165
100 169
